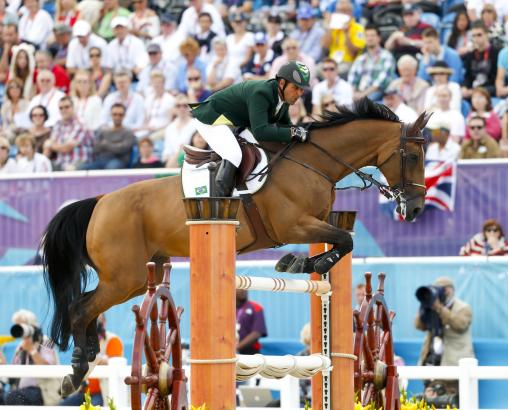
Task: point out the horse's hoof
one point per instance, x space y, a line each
67 387
297 265
284 262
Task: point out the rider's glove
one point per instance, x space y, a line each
299 134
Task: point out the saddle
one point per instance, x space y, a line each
250 158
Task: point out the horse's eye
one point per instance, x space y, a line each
413 157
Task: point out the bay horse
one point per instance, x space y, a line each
119 232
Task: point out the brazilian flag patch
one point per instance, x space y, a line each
201 190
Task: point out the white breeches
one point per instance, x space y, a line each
221 139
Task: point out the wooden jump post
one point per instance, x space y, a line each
214 363
335 387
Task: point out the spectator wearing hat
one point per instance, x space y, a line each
60 47
411 87
222 71
125 52
480 64
408 40
143 23
205 35
36 25
454 118
440 74
78 55
44 61
170 39
442 147
259 66
189 49
340 90
274 33
489 242
372 71
481 105
393 100
433 51
156 63
48 96
189 21
481 145
344 39
452 339
308 33
240 42
110 10
133 102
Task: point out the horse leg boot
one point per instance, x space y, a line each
225 179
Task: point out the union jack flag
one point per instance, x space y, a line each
441 182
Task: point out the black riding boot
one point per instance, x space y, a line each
225 179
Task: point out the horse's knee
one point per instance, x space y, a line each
345 243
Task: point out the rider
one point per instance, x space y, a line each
259 106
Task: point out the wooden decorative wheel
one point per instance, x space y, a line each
376 378
157 343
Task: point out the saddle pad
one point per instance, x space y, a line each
196 180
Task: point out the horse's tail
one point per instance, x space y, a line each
64 260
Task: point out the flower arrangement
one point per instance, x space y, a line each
405 404
87 405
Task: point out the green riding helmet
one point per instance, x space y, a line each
296 73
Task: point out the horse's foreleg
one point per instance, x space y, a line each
313 230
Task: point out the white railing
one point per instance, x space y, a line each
468 373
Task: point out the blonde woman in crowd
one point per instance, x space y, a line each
66 12
87 103
22 68
181 129
28 159
7 165
14 108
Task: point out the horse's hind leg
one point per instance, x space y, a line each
315 231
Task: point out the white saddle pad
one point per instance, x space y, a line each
196 181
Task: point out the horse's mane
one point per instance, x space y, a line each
363 109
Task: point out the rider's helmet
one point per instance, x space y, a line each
296 73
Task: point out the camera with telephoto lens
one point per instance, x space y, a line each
427 295
24 330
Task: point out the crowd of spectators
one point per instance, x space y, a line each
105 84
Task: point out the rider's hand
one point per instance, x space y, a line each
299 134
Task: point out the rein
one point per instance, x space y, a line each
367 179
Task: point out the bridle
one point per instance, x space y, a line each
395 192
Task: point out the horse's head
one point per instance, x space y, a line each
404 169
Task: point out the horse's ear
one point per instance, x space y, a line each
425 120
420 122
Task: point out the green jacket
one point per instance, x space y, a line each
249 104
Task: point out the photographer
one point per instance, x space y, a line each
32 350
447 321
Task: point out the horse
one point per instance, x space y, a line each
117 233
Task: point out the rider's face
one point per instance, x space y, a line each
292 93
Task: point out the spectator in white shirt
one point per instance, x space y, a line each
143 23
170 39
240 42
442 147
332 84
156 63
222 71
159 106
48 97
456 121
126 52
440 74
189 22
36 25
28 160
87 104
180 131
79 47
132 101
393 100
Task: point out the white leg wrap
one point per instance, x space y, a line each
222 140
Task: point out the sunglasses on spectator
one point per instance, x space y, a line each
194 78
477 34
95 55
492 230
328 68
476 127
4 147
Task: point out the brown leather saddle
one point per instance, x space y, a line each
250 158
